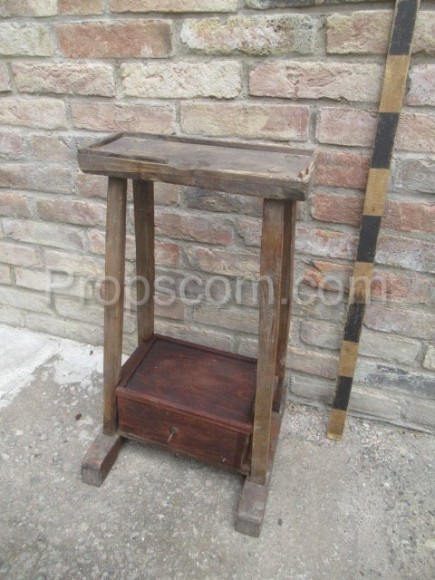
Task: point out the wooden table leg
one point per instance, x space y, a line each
105 448
286 301
266 423
143 196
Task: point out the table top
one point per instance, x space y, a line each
276 172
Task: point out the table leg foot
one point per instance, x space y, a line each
100 458
252 506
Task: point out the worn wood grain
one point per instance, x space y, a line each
100 458
143 199
114 297
272 248
274 172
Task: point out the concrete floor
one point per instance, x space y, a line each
364 507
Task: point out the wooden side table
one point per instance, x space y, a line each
222 408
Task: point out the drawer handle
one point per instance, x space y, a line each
172 433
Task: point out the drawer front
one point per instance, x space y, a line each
191 435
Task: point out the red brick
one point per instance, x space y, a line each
316 80
403 215
280 122
42 113
118 39
422 81
12 145
367 32
69 77
171 6
39 177
71 211
249 230
5 85
73 7
270 35
341 126
124 117
410 253
413 323
349 170
198 228
416 132
222 202
14 205
18 255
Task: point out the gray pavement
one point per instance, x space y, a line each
361 508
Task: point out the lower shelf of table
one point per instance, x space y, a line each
189 399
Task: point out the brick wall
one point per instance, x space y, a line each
72 71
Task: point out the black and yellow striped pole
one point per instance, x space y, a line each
393 93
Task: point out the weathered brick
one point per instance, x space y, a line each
87 7
88 185
328 243
197 334
17 39
410 253
419 413
18 255
72 211
367 32
308 303
223 262
249 230
71 78
5 274
166 253
280 122
379 374
53 148
171 6
222 202
33 279
422 82
341 126
414 175
274 35
5 85
411 323
416 132
166 194
429 359
124 117
90 312
378 345
14 205
349 170
182 79
198 228
385 285
66 237
55 178
312 362
44 113
12 316
75 264
36 8
74 330
118 39
174 311
12 145
232 318
316 80
24 299
401 215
